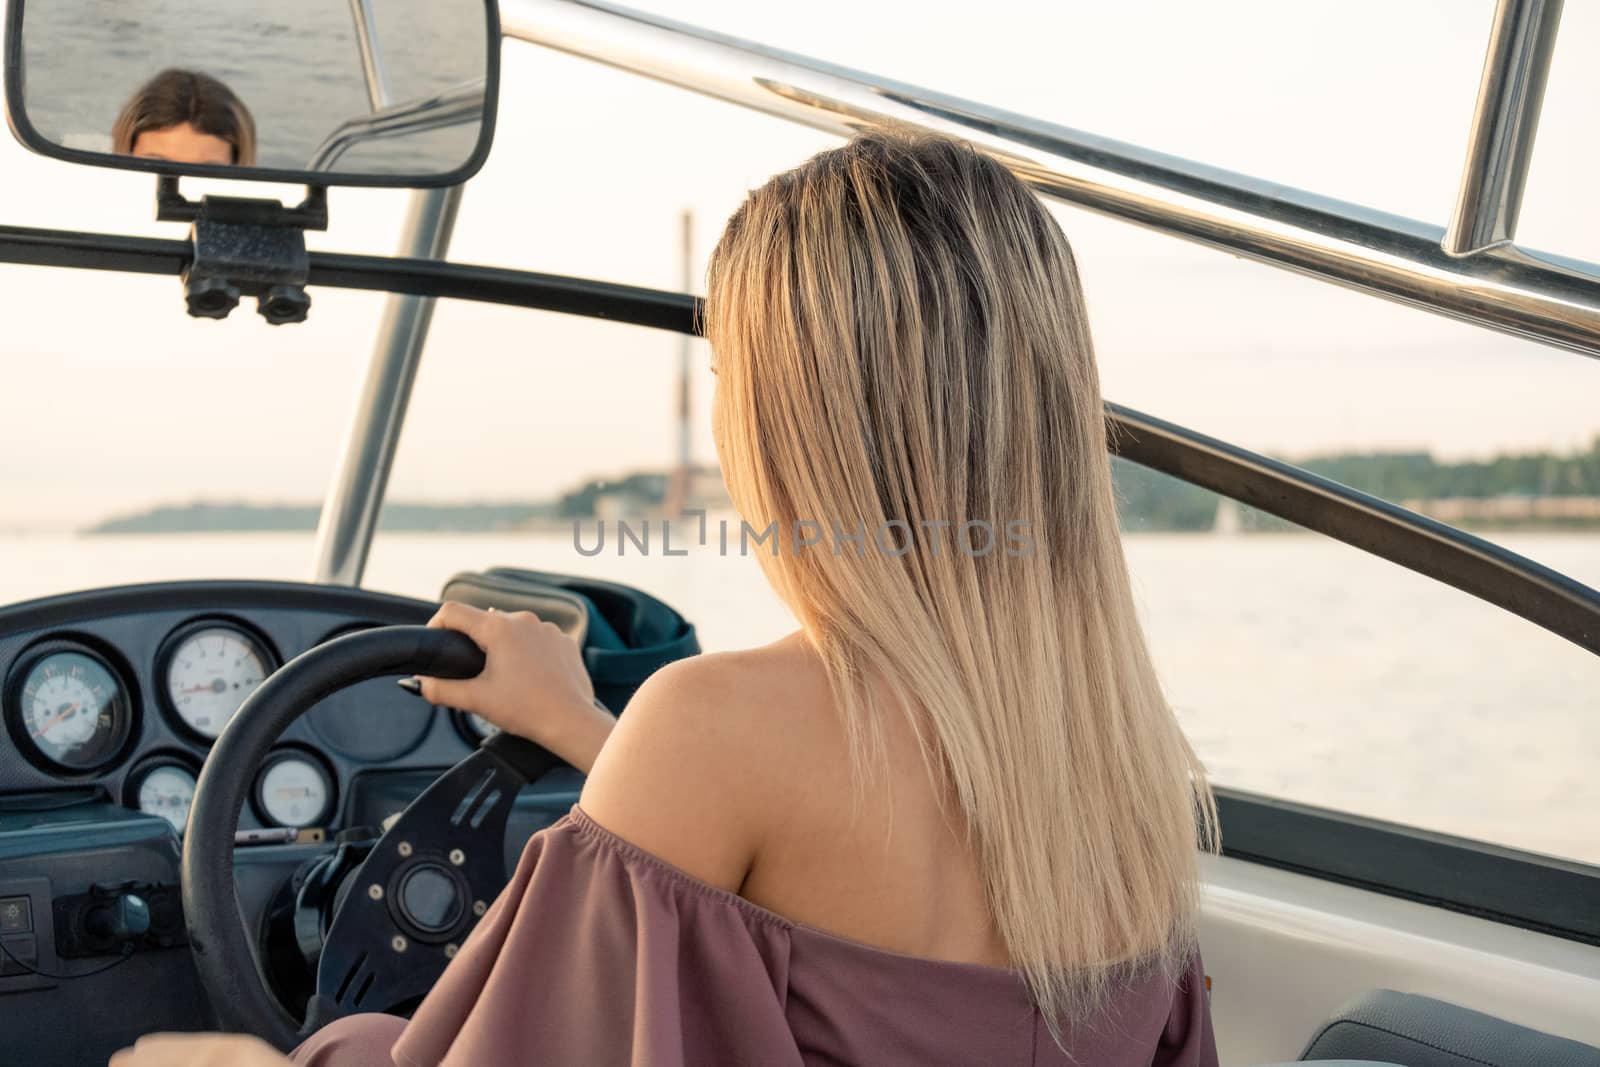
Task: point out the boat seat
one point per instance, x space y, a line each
1417 1031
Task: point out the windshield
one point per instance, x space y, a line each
138 445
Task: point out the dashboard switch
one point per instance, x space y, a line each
16 915
21 955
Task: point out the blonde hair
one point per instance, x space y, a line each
900 337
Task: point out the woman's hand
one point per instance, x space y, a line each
533 683
199 1050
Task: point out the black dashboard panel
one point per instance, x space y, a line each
72 844
70 839
371 727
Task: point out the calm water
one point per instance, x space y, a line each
1300 668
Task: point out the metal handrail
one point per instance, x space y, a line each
453 107
1530 294
1510 97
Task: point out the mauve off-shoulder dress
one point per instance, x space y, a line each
599 953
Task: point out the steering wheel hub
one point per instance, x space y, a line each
429 900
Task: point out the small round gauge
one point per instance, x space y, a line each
163 787
294 790
475 727
70 710
207 671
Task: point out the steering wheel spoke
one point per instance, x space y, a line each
425 885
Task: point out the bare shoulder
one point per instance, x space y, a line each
707 756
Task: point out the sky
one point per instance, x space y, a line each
112 399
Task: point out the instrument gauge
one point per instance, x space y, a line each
165 787
207 670
69 709
295 790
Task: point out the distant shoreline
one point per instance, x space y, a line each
538 526
1518 492
244 517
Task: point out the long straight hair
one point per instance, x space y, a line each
901 344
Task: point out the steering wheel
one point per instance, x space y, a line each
419 892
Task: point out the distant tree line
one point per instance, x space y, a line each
1146 500
208 517
1417 476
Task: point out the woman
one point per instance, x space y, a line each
183 116
952 819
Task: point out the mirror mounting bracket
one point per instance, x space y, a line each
245 246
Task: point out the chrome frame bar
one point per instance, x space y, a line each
453 107
355 498
377 75
1500 147
1535 295
354 501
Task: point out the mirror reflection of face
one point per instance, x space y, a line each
186 116
182 144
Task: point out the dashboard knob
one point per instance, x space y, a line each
124 919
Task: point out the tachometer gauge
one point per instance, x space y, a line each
207 670
294 790
70 710
165 787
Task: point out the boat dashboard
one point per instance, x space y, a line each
116 695
110 702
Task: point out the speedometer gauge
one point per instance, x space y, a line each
207 670
294 790
69 710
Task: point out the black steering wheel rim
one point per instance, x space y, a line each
221 946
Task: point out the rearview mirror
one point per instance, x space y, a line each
368 92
